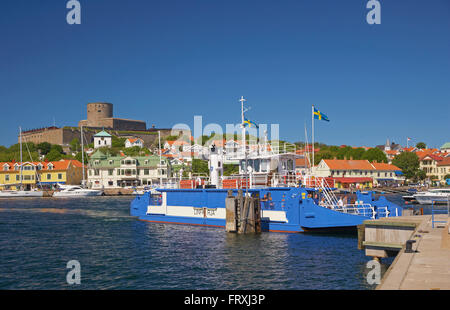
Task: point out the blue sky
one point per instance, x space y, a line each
165 61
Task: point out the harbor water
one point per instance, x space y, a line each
38 237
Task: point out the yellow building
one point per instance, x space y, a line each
44 173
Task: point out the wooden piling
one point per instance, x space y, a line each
231 212
243 214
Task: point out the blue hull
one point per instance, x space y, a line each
283 209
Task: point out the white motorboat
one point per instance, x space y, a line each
76 191
436 196
20 193
73 191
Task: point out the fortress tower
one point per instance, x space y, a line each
97 111
100 115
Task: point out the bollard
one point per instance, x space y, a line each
408 248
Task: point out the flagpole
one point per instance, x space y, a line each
312 140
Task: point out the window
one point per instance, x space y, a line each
146 171
49 176
7 177
50 167
5 167
110 172
59 176
17 177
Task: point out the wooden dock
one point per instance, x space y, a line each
422 252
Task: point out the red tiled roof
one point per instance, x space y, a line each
177 142
352 180
57 165
432 156
343 164
384 166
132 140
444 162
301 162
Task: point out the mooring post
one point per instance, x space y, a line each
230 212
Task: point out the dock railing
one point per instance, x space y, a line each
439 211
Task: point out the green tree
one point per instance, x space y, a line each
200 166
229 169
375 154
421 145
117 142
44 147
408 162
420 175
57 148
75 145
79 157
53 155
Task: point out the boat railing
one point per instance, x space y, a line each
361 209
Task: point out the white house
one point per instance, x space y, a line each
131 142
102 139
177 146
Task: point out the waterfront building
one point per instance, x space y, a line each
443 169
47 174
358 173
429 164
132 142
102 139
106 171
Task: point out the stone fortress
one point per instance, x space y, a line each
99 117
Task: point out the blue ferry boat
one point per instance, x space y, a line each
282 209
289 202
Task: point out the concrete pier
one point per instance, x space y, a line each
422 252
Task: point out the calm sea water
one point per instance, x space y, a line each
39 236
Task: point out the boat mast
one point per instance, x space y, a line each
82 156
21 166
244 142
160 159
312 142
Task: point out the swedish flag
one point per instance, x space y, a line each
320 115
249 123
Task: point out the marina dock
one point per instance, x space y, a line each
421 245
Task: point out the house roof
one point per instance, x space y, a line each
384 166
352 180
343 164
62 164
444 162
445 146
301 162
177 142
133 140
392 152
102 134
432 156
